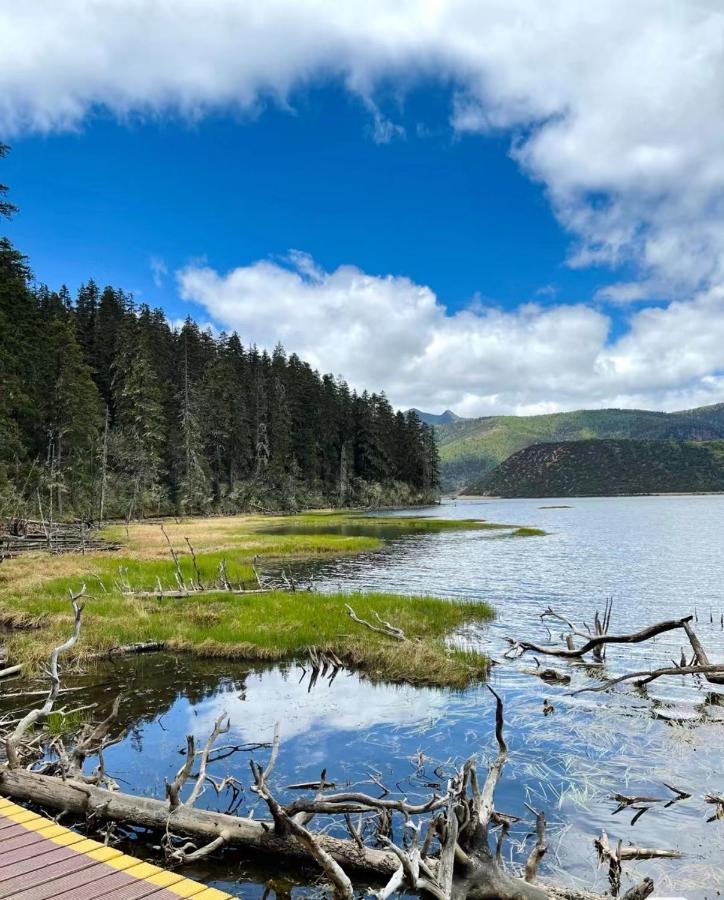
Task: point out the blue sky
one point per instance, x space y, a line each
449 211
490 206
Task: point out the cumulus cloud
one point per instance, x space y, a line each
388 333
614 107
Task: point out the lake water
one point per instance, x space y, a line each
657 557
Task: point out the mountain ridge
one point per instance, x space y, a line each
445 418
607 467
469 448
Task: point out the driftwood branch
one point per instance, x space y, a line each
384 627
219 729
646 676
539 849
636 637
14 740
173 788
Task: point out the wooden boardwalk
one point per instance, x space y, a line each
40 860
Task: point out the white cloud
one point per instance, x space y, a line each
615 107
159 270
351 704
388 333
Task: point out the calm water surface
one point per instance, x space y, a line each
658 557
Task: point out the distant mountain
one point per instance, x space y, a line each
603 467
445 418
471 447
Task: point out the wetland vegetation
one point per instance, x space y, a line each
126 602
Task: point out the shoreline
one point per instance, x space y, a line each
479 497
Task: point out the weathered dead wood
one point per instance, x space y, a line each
646 676
114 806
286 824
93 739
189 853
539 849
218 729
642 805
649 853
701 656
128 650
640 891
636 637
26 535
197 571
384 628
717 801
11 670
256 572
13 740
177 565
173 788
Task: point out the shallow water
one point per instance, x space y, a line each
658 557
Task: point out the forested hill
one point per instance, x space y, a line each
471 447
591 468
105 410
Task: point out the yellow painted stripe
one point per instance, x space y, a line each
23 817
164 879
67 839
186 888
115 859
121 863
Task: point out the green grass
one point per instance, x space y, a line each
278 625
273 626
59 724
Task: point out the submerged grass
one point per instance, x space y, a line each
525 531
277 625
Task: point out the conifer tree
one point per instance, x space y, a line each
119 414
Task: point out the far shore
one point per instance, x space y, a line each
593 496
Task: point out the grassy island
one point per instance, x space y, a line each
124 605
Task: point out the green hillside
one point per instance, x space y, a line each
605 467
471 447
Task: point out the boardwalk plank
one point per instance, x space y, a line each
40 860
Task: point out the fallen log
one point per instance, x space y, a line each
128 650
82 800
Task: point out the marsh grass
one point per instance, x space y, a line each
59 724
272 626
525 531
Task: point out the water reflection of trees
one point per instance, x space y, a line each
152 685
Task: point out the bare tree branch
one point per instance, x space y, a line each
13 740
